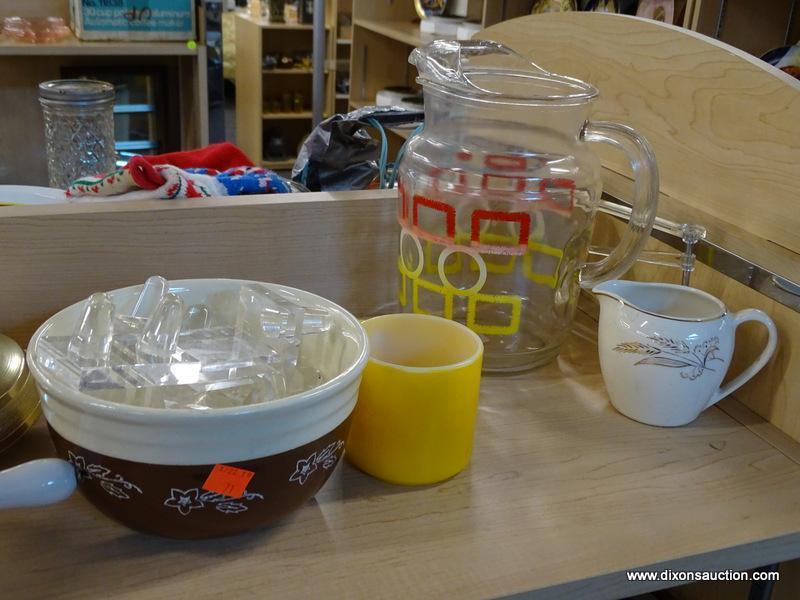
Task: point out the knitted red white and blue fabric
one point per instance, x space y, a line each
139 180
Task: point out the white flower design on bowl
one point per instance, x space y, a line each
326 458
113 484
185 501
305 467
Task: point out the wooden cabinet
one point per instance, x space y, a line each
385 32
274 102
754 27
343 43
563 494
23 66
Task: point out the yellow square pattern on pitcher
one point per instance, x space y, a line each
498 239
432 268
527 264
447 297
402 293
515 302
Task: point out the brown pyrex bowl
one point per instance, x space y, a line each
146 467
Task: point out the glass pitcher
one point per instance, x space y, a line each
498 196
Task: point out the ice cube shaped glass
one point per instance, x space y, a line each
239 344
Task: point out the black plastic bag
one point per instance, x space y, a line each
340 154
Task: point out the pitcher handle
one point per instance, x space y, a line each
644 205
750 314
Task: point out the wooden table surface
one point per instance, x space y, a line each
563 496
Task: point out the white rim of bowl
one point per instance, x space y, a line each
124 412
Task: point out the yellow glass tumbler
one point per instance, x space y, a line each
415 417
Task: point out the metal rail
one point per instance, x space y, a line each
318 63
790 22
693 245
723 7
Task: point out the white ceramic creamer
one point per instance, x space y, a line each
665 349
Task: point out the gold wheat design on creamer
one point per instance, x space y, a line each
676 354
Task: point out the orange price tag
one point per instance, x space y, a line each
228 481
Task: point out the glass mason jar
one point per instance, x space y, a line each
78 127
498 196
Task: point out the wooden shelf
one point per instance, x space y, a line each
401 31
264 24
72 46
384 32
26 65
562 496
360 102
257 115
342 96
288 71
344 41
287 115
403 133
286 163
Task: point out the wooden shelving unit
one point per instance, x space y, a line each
279 164
406 32
23 66
564 497
72 46
298 71
266 25
755 27
385 32
306 114
359 102
403 133
341 54
258 89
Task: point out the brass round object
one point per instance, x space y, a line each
12 364
19 399
430 8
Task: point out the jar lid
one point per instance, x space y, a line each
76 90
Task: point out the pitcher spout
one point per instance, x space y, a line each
664 300
615 289
494 71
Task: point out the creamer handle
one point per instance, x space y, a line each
750 314
36 483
